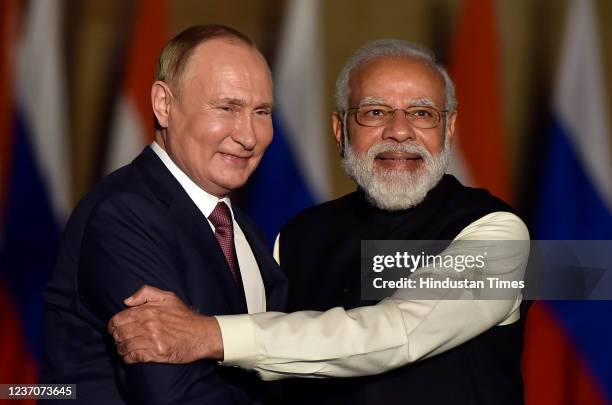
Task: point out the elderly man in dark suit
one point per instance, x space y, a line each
166 220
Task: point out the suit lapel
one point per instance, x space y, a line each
196 228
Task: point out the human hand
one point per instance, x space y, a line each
159 327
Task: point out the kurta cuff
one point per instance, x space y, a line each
239 344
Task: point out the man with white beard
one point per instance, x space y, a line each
393 125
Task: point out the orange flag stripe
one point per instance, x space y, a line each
148 37
475 68
9 14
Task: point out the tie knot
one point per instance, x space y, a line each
221 217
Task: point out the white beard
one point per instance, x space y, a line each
394 190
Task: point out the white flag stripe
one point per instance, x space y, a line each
127 136
41 94
300 96
580 99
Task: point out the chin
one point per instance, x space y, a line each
232 184
399 171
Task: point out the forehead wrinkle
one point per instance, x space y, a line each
235 88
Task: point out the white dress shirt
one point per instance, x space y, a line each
374 339
254 289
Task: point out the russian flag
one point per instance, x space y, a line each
35 195
568 353
479 158
294 173
132 126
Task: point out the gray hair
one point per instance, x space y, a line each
395 48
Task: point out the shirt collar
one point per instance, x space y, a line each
206 202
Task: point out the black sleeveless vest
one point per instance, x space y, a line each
320 253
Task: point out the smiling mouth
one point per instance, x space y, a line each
399 156
230 156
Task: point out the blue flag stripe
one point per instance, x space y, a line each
569 206
31 237
277 190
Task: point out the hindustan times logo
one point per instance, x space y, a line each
404 260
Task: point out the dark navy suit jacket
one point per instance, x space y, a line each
138 226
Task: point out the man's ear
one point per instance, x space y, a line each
450 127
337 126
161 98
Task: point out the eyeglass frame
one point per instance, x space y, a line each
394 110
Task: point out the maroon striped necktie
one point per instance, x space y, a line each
221 218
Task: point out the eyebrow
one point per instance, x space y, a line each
266 105
229 100
423 101
371 100
375 100
239 102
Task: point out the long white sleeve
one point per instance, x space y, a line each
374 339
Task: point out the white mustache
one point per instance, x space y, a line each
389 146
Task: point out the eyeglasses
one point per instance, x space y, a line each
422 117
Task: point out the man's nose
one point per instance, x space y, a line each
244 132
399 128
